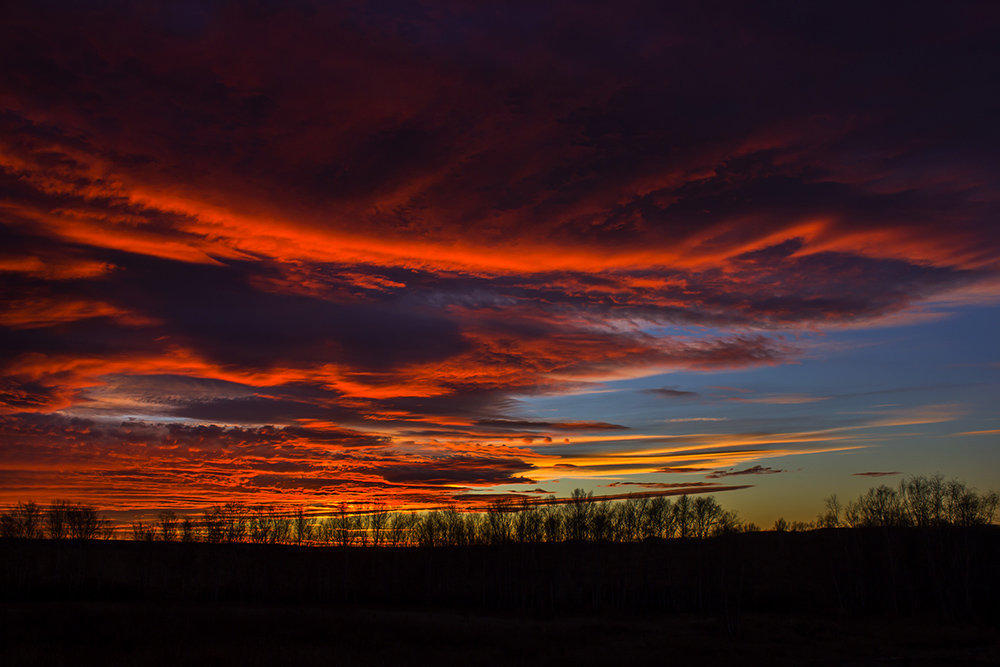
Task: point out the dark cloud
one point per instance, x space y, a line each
753 470
67 432
216 310
262 410
665 485
461 469
875 474
670 392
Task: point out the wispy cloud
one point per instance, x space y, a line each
696 419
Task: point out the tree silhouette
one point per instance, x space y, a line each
168 526
552 521
302 526
84 523
142 532
234 522
528 522
377 521
400 526
267 525
455 530
919 501
214 524
965 507
830 517
187 530
24 520
707 514
499 521
683 516
880 507
628 517
343 526
578 516
55 519
429 529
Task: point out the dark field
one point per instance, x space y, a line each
102 633
830 597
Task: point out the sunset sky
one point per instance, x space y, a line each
392 252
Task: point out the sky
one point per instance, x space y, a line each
412 254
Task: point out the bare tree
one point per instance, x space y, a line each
168 525
965 507
214 524
302 526
657 519
881 506
234 522
361 526
344 526
578 514
9 526
400 525
281 524
830 516
260 525
187 530
923 499
499 522
989 503
600 521
31 520
628 517
552 521
24 520
683 516
142 532
84 523
55 519
528 522
325 531
707 513
377 522
454 528
728 522
429 529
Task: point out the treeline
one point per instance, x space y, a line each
60 520
503 521
918 501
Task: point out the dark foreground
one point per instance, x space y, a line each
833 597
102 633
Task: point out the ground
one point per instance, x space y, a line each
109 633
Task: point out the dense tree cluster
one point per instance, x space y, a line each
582 518
60 520
918 501
504 521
